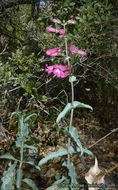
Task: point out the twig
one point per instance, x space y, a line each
103 173
114 130
4 49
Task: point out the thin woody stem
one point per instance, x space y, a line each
70 125
72 111
66 47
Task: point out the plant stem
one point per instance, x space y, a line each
72 111
21 156
70 125
72 102
66 47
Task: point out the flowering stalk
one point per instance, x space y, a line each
72 101
62 71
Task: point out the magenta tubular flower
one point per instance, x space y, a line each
81 52
73 49
62 31
51 29
49 69
59 70
61 36
56 21
54 52
72 21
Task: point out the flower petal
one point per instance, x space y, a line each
62 31
54 52
72 21
51 29
81 52
73 49
56 21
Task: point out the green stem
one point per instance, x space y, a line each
21 158
72 111
70 125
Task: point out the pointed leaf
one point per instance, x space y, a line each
28 117
54 186
19 177
32 164
67 108
30 183
30 147
74 134
8 177
62 152
72 173
7 156
81 105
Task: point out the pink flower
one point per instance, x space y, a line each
51 29
74 50
54 52
56 21
61 36
59 70
81 52
62 31
49 69
72 21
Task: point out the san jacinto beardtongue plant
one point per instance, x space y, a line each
64 71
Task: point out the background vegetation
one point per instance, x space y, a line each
25 86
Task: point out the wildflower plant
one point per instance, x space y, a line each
15 169
64 71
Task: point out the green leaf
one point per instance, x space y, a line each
81 105
69 106
72 173
59 181
62 152
8 177
28 117
19 177
32 164
72 79
53 187
30 183
30 147
7 156
25 130
74 134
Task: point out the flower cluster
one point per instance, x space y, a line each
61 31
59 70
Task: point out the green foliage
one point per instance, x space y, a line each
30 183
72 174
69 107
19 177
62 152
8 177
7 156
74 134
22 64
